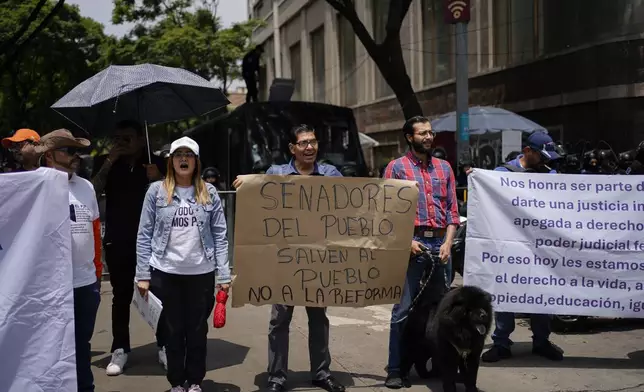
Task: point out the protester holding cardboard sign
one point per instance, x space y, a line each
304 148
435 227
180 243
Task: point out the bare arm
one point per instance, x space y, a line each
99 180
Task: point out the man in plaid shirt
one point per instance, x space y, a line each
435 226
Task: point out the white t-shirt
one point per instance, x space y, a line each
83 210
184 254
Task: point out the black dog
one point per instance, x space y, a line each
459 327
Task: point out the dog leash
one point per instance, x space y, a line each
427 278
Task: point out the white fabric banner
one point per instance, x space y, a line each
36 297
557 244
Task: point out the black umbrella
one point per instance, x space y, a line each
148 93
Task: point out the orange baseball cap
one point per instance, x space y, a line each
20 136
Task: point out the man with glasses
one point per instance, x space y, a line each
304 148
539 149
21 146
435 226
61 151
124 175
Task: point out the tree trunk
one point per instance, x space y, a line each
387 55
391 64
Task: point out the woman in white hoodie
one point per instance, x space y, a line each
181 243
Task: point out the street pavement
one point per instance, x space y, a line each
609 358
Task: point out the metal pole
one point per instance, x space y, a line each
462 112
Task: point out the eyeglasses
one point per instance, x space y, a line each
70 150
182 154
425 134
305 143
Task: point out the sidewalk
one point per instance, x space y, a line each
608 362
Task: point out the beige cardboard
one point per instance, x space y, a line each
293 247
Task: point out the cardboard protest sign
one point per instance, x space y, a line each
322 241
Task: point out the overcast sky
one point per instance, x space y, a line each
229 11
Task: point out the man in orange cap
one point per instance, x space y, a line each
22 148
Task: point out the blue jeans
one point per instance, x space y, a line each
540 324
86 301
410 290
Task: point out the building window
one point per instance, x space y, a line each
317 57
438 44
571 23
501 22
347 45
472 34
522 34
515 31
485 34
257 9
296 70
379 14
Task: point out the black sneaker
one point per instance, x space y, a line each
496 353
549 351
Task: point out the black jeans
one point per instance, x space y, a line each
187 303
86 301
120 257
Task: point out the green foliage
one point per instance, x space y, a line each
182 33
66 52
71 48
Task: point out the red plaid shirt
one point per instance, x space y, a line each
437 205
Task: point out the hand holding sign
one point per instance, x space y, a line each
143 286
148 306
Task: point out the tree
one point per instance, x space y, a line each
10 43
388 54
64 53
182 33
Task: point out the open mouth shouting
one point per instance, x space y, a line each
309 156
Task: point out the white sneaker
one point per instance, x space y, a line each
177 389
163 359
117 364
194 388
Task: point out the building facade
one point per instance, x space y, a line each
576 67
